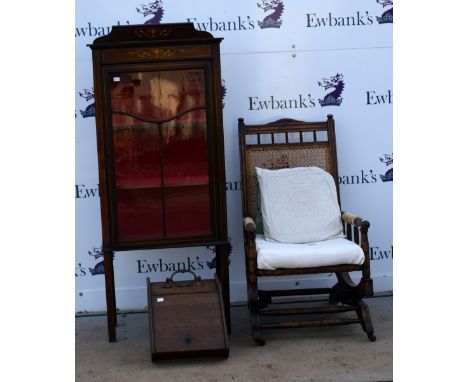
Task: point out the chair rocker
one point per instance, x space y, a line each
288 143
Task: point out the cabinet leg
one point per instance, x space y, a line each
110 295
222 269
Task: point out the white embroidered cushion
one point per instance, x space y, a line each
299 205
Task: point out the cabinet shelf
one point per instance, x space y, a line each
172 182
148 186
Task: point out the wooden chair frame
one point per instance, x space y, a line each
313 151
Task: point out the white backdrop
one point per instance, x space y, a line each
268 73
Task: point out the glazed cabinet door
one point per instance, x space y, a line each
159 146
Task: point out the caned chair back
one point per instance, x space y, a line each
283 144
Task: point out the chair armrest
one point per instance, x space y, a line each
249 225
359 234
250 250
354 220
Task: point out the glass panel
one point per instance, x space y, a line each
186 172
188 211
139 212
136 154
175 92
160 129
185 149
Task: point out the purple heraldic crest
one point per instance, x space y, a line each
212 263
332 98
90 110
99 267
154 9
387 16
273 19
388 160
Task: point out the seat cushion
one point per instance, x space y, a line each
299 205
273 255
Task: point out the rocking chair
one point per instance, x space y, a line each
291 144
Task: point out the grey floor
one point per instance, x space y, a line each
340 353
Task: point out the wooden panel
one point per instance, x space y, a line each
186 320
152 34
156 53
160 289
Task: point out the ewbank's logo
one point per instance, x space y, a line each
91 30
388 160
90 110
352 19
223 91
303 100
273 20
387 16
334 97
154 9
381 253
370 176
145 266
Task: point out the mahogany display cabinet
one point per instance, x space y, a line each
160 145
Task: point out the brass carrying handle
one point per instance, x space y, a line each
170 282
